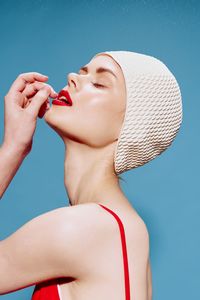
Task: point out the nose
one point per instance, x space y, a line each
73 80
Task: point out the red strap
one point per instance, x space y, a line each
46 290
124 251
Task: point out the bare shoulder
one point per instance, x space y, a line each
79 215
48 246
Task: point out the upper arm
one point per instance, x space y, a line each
46 247
140 261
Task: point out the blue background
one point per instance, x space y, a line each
57 37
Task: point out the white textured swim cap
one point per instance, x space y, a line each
153 109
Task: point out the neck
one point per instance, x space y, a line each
89 175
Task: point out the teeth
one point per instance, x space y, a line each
63 98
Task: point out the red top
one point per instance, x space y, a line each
48 290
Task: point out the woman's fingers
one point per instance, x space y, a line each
38 100
20 83
32 88
21 109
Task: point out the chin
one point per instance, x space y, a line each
65 127
53 120
47 114
50 118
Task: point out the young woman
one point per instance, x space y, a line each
118 112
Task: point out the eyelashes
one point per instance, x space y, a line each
98 85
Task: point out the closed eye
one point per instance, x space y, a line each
98 85
95 84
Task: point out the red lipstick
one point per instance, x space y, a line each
63 99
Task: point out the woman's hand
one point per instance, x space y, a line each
26 100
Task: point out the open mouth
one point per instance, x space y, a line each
65 97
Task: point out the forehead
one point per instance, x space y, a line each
106 61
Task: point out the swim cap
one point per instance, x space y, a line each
153 112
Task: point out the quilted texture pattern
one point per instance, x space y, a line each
153 110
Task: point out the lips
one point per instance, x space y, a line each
63 99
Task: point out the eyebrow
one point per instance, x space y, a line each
99 70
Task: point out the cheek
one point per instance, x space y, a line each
95 123
100 123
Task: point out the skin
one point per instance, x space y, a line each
93 268
89 153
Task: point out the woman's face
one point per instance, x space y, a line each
99 100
